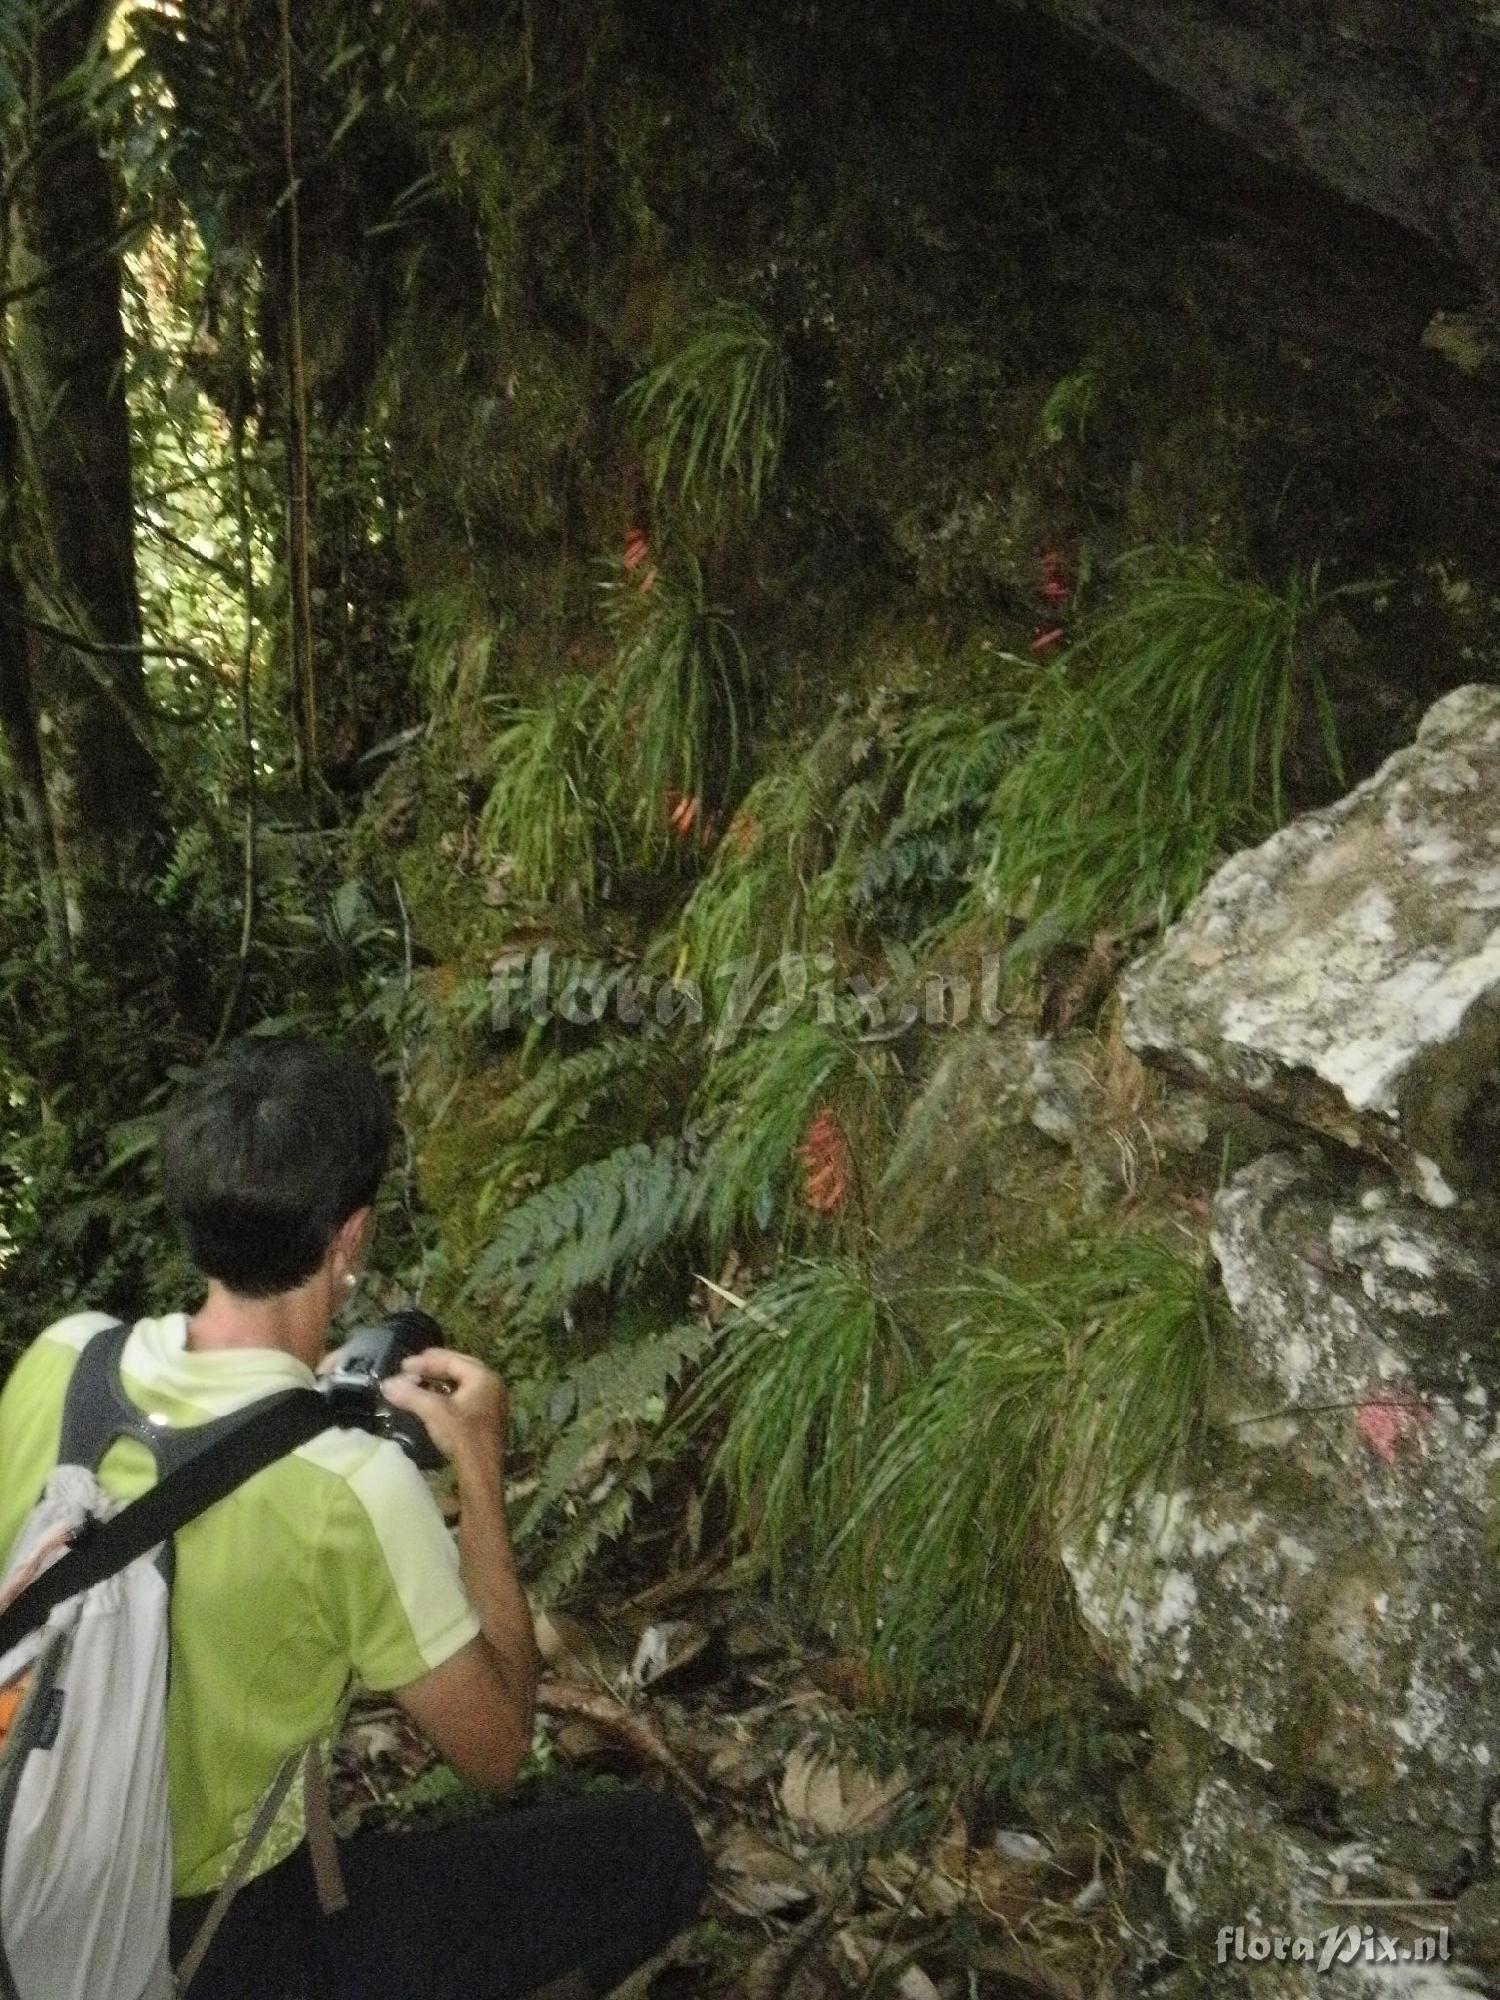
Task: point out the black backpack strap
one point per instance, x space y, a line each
228 1451
97 1413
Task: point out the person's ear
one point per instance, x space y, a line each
350 1241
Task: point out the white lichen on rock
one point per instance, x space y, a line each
1346 973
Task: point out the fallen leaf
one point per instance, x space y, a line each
666 1649
560 1697
836 1795
567 1644
758 1879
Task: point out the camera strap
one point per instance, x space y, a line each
265 1432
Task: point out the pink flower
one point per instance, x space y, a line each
1384 1421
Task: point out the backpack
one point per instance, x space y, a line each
85 1841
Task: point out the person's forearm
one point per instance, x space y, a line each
488 1566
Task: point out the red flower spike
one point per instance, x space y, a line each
824 1154
637 547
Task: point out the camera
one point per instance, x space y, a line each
352 1375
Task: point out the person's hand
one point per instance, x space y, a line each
465 1414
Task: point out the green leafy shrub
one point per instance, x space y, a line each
544 814
711 418
1160 744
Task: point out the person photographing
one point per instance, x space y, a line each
333 1568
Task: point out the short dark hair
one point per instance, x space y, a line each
266 1152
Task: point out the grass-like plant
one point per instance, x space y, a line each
670 721
1070 406
955 1493
1161 743
1145 1321
759 1101
782 874
544 813
803 1374
1049 1406
711 418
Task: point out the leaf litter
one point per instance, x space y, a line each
835 1872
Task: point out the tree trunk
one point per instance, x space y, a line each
18 730
68 368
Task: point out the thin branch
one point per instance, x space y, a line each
247 721
146 521
304 706
108 649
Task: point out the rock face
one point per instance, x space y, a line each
1391 103
1324 1600
1312 1618
1327 1602
1346 974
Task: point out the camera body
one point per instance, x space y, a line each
353 1373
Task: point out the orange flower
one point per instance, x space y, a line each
824 1154
744 832
638 558
684 811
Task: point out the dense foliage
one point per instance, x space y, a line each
666 616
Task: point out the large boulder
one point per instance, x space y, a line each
1346 974
1322 1597
1388 104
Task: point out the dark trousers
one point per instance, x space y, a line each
480 1909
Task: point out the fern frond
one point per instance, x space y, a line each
592 1529
949 761
627 1383
624 1386
599 1223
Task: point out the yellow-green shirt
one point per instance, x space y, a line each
331 1567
